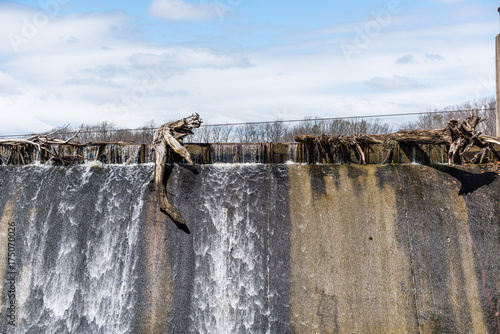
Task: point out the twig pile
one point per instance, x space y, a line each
44 144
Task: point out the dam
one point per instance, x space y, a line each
267 248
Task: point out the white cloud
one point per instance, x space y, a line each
13 124
407 59
411 59
8 85
23 32
79 69
433 57
88 79
184 57
179 10
396 82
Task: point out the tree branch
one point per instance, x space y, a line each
171 134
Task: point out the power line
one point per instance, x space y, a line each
271 122
340 118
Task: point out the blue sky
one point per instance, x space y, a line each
130 62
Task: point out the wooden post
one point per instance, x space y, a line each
497 52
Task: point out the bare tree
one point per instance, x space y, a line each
145 134
201 135
249 133
212 134
437 119
102 131
274 131
279 131
376 126
310 126
339 127
358 126
105 131
488 112
221 134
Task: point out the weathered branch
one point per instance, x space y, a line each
15 142
171 134
491 140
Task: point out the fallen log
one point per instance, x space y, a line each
171 134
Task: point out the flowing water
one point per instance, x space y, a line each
231 275
77 241
268 248
78 248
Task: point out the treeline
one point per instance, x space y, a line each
280 131
107 132
433 120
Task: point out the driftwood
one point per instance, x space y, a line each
44 139
42 143
53 149
171 134
459 136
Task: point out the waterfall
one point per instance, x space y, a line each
77 247
267 248
81 252
230 293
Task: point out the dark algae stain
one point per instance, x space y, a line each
328 313
317 178
356 174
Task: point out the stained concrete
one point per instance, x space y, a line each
370 249
289 248
351 270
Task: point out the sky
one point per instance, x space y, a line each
131 62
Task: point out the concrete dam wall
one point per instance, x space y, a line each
277 248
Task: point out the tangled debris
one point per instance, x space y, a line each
46 144
459 137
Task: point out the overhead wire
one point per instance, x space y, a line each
311 119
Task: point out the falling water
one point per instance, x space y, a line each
268 248
231 276
80 247
77 247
